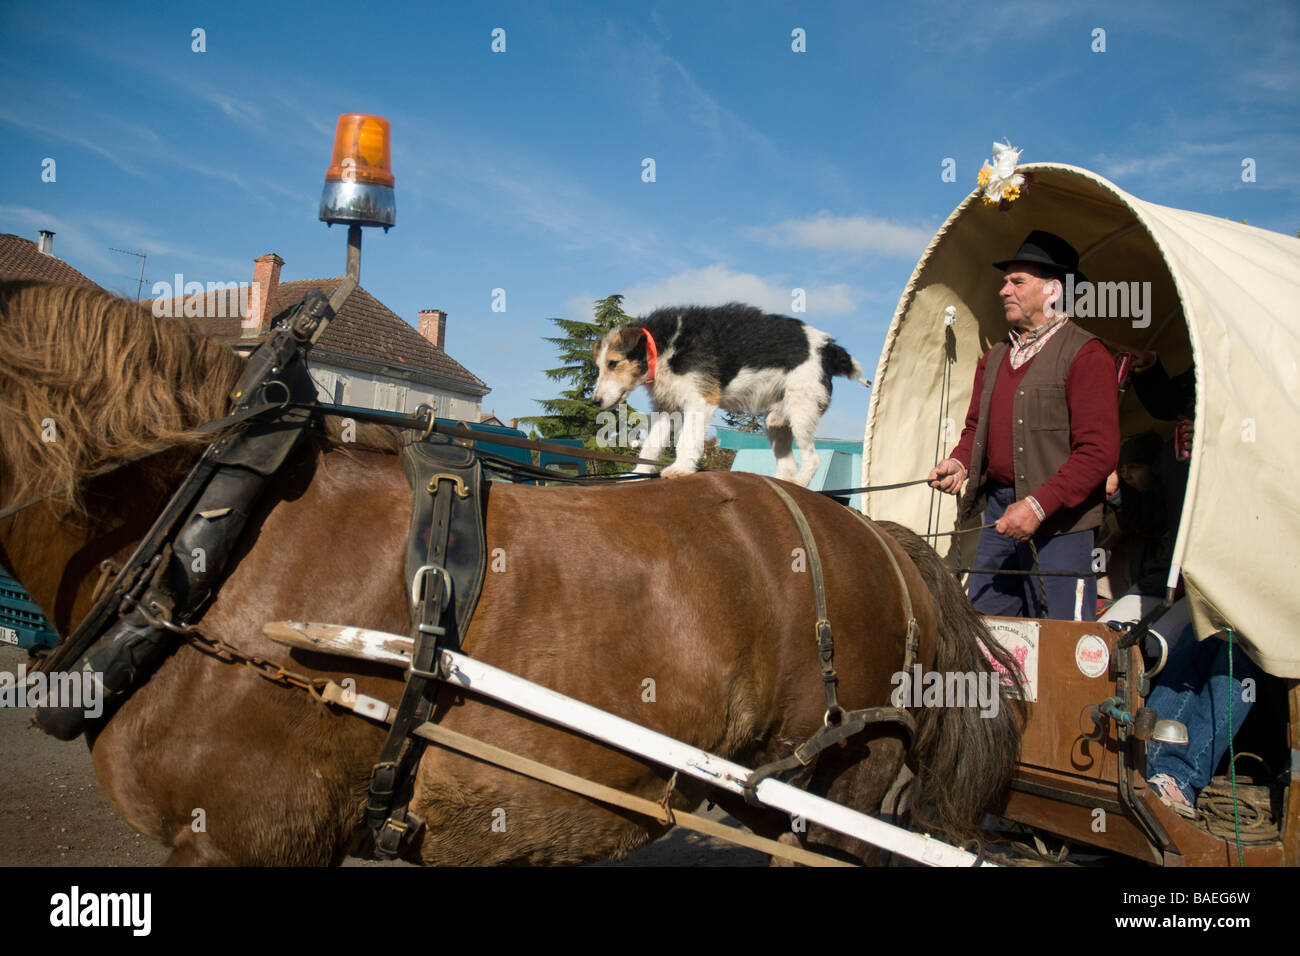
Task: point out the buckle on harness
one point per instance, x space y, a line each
394 834
462 490
420 582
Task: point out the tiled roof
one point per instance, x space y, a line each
365 328
20 259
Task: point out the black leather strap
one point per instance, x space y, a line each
851 723
839 724
821 626
445 566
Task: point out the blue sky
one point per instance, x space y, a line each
522 170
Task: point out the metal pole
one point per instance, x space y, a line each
354 252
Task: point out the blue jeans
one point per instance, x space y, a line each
1194 688
1017 595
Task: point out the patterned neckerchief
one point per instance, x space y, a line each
1025 345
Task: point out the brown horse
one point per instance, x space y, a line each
692 584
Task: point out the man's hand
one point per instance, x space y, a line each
1019 521
947 476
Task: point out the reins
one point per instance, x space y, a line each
1037 570
423 422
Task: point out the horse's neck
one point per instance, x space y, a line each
57 557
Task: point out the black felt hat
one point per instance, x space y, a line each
1046 249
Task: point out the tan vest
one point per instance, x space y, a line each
1040 431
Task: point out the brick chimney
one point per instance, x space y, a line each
433 326
266 277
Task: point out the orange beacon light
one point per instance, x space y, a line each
359 182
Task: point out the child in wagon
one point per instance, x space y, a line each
1194 686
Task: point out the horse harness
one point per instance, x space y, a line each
160 590
178 566
838 725
445 564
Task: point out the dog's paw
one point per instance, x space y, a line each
678 470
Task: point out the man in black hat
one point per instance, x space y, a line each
1041 436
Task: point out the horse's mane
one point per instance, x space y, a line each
107 380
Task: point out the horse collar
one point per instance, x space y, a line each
653 352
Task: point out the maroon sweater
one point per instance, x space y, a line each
1090 392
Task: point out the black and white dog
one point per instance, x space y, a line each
695 360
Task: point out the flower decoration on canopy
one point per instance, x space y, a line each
1001 183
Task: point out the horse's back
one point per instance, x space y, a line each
684 605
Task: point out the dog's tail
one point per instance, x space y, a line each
836 361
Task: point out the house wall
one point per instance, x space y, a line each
344 386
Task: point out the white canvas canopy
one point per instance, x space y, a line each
1223 297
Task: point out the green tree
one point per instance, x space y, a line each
573 414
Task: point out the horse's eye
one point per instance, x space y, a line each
611 365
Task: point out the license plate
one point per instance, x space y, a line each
8 635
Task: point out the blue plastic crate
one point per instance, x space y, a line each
21 621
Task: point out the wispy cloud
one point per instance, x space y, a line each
1206 167
670 96
853 234
146 237
74 243
239 109
717 285
140 148
521 195
87 243
49 132
955 29
243 112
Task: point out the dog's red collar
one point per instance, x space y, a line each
652 358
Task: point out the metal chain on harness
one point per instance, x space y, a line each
227 653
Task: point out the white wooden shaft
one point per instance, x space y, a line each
467 672
501 685
358 642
